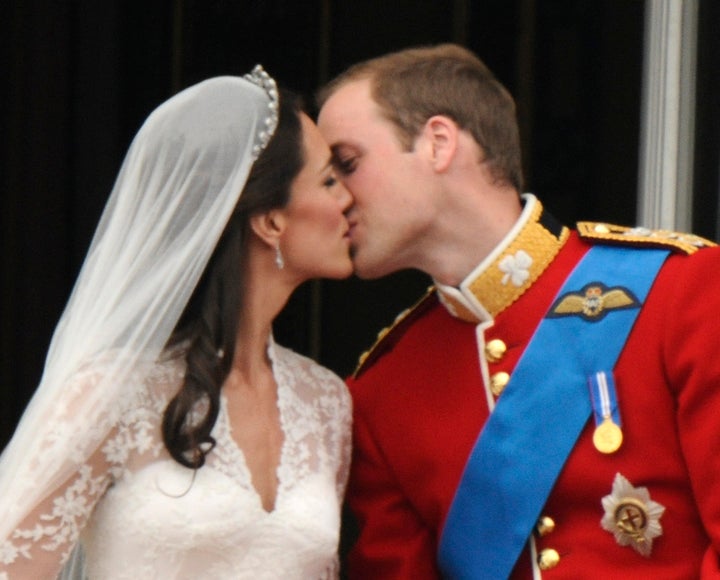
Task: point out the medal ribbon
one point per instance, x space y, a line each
604 398
543 409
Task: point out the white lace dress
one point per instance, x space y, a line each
140 515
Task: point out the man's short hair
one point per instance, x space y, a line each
412 85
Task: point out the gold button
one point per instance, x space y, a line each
602 229
494 350
548 559
545 525
498 382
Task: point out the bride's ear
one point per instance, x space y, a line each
268 226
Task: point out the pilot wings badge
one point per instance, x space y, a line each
593 302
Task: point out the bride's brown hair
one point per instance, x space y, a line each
209 323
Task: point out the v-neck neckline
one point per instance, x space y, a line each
237 450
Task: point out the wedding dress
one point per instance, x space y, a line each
141 515
87 465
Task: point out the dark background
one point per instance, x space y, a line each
79 77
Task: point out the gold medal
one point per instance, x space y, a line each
608 436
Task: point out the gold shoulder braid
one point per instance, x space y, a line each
387 336
541 239
639 236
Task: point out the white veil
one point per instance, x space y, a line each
177 187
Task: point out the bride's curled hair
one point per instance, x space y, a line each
207 328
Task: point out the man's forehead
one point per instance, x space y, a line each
349 98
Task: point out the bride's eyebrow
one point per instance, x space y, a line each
329 164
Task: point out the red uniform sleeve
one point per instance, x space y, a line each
693 366
393 542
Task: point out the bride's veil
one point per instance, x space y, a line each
177 187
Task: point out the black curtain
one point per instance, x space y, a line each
706 218
80 76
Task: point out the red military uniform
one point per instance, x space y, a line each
423 394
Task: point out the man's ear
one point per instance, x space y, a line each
268 226
441 134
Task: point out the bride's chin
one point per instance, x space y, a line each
343 270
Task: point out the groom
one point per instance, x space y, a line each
551 404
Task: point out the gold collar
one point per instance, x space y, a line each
510 269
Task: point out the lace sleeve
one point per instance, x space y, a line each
345 426
57 479
42 542
332 572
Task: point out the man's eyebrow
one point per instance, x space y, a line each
342 143
335 154
336 148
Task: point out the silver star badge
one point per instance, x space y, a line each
631 516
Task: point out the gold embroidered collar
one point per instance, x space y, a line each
510 269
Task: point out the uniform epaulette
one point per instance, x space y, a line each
387 336
639 236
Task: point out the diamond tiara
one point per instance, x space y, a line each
259 76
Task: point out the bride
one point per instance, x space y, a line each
170 436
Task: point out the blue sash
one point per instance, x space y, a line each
534 427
